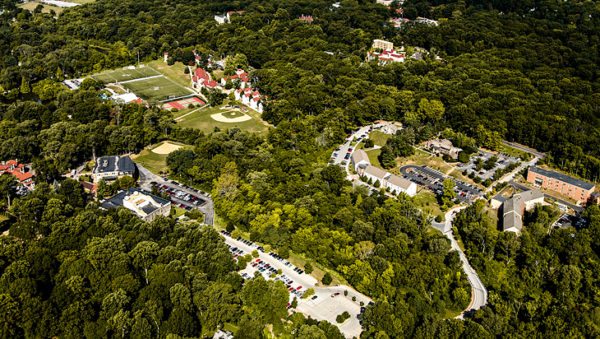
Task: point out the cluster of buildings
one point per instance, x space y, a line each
241 78
393 183
306 18
145 205
249 97
384 52
443 147
22 173
201 78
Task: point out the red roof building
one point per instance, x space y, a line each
19 171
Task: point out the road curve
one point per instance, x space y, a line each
479 293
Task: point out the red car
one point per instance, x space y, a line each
298 288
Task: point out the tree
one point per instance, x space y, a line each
308 268
143 255
448 194
327 279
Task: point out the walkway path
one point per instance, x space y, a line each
478 291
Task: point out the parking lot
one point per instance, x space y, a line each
187 198
433 180
327 302
483 156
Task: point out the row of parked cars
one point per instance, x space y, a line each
190 200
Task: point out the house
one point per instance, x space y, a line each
383 45
249 97
394 183
222 19
575 189
145 205
514 208
113 167
202 78
360 160
240 78
443 147
306 18
21 172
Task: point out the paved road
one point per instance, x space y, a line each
478 291
524 148
508 177
146 177
326 306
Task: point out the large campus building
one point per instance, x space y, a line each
391 182
145 205
514 208
568 186
113 167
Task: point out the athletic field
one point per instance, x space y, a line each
156 88
125 74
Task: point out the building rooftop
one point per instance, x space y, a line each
562 177
137 200
400 182
114 164
376 172
360 155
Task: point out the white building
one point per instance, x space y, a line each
360 160
145 205
249 97
383 45
394 183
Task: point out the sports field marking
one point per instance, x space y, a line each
221 118
142 79
185 115
166 148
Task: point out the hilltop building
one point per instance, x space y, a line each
443 147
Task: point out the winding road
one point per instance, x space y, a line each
479 293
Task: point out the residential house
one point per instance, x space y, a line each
443 147
145 205
360 160
573 188
113 167
384 52
240 78
514 208
394 183
222 19
426 21
249 97
21 172
202 78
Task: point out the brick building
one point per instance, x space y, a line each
568 186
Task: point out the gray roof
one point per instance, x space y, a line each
398 181
359 156
562 177
376 172
512 220
514 207
114 164
116 200
531 195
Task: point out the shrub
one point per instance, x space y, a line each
327 279
308 268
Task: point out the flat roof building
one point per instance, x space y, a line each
145 205
573 188
113 167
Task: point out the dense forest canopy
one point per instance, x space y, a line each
523 71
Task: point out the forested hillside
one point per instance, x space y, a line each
518 70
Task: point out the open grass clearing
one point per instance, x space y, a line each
155 162
379 138
427 202
31 5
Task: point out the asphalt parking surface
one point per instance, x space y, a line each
326 306
433 180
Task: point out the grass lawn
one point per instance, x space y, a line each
178 212
160 88
421 158
427 202
31 5
202 120
379 138
318 270
373 154
174 72
154 162
124 74
514 152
